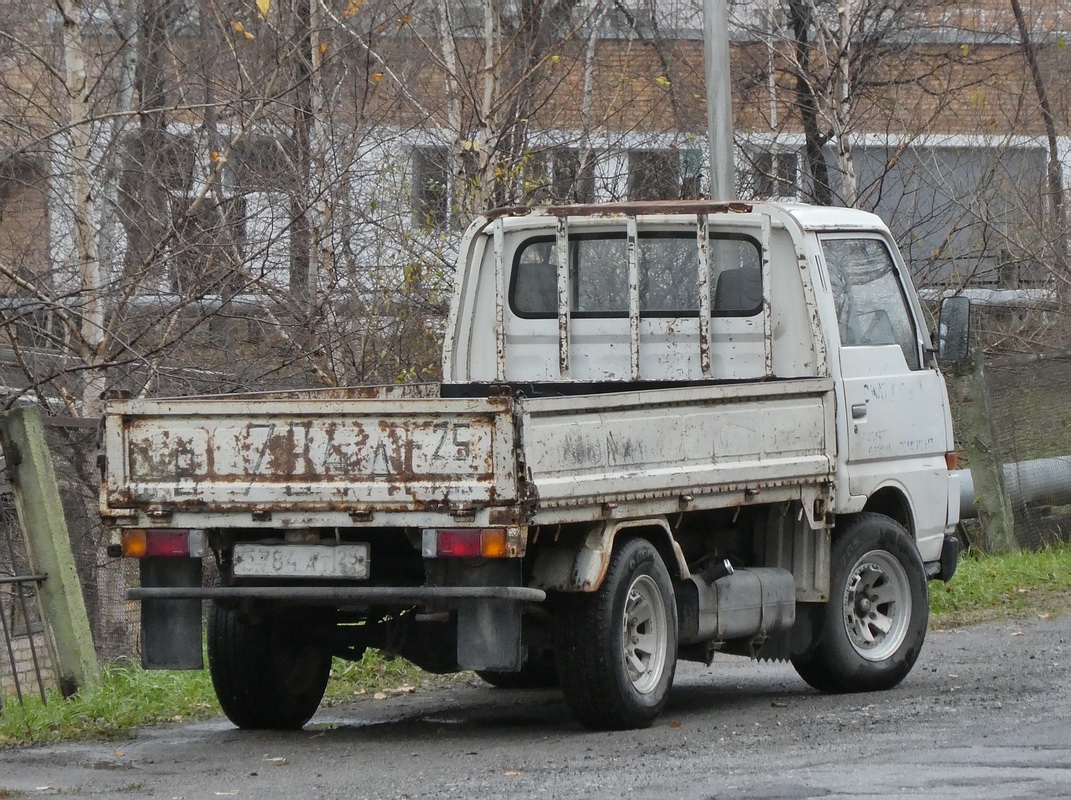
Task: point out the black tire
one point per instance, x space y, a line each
538 672
617 648
869 635
265 677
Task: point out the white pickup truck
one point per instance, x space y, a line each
664 430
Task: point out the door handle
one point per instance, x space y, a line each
859 411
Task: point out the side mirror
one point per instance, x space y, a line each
954 330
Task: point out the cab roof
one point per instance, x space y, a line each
808 217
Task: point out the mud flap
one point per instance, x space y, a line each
489 631
489 635
171 629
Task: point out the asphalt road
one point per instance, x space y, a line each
985 714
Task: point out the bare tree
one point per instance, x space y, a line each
1054 172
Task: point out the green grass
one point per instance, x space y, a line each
984 588
1001 586
374 675
127 696
130 696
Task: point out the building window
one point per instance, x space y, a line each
664 174
261 164
216 248
691 174
431 181
776 174
207 250
557 176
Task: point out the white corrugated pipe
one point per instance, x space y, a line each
1044 299
968 509
1044 482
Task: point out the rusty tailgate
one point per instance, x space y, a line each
382 453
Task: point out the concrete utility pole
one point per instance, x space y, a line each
48 546
719 99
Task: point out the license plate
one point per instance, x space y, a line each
301 560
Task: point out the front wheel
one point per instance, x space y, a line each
617 648
869 635
266 675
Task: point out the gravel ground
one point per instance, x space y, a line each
985 714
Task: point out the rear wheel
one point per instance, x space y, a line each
265 675
869 635
617 648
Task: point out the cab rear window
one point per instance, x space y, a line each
668 272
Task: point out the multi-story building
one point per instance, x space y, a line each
309 166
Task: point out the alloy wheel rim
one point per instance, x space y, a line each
644 629
877 605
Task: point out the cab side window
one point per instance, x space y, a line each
871 306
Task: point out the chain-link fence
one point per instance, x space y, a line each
1013 422
1030 399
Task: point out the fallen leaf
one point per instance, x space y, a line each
398 690
1018 633
1045 615
512 773
263 6
278 760
117 753
379 696
675 724
779 704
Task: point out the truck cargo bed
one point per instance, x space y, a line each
344 456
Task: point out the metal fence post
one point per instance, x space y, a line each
48 547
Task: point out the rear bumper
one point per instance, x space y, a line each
340 595
944 569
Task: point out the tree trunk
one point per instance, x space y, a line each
1057 208
843 113
86 263
799 14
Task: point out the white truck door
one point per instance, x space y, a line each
895 406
